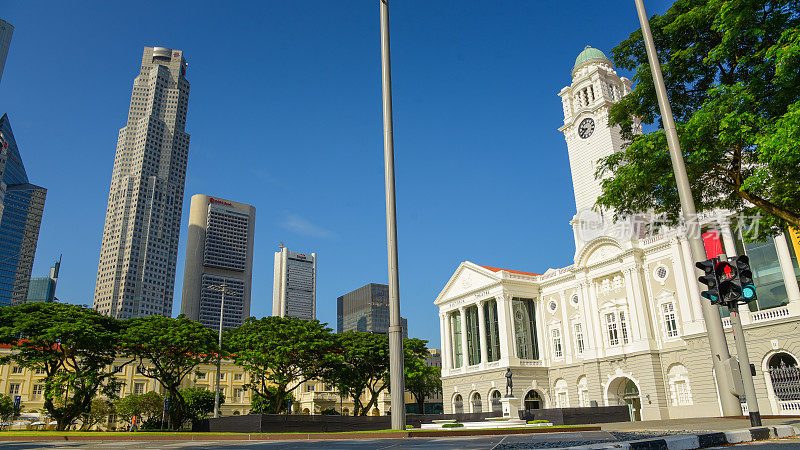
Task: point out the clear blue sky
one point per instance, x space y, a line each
285 114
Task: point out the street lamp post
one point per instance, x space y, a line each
716 336
223 289
396 379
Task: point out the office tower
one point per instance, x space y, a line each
136 273
43 289
6 30
22 207
294 288
219 252
366 309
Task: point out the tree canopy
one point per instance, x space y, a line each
200 402
282 352
732 71
148 406
72 345
173 348
422 381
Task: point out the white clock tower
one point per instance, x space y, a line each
595 87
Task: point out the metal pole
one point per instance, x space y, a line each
744 366
716 335
219 353
396 379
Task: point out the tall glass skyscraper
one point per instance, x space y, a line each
136 273
21 206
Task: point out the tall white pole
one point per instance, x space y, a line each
396 378
716 336
219 351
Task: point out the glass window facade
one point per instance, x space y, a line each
492 330
767 275
455 325
473 335
23 205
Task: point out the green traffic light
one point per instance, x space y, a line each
748 292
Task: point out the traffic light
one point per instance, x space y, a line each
745 278
729 289
710 279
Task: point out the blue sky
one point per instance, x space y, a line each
285 114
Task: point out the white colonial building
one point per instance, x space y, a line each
623 324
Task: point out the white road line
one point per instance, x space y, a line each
501 441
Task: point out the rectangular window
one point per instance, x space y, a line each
473 336
682 392
611 324
579 345
16 370
138 388
557 350
237 395
201 375
36 393
492 330
561 400
670 324
237 377
13 389
524 312
623 326
458 355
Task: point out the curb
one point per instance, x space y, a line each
703 440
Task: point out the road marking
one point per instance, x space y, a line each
501 441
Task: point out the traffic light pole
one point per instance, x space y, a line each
716 335
744 365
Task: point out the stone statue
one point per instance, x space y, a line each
509 383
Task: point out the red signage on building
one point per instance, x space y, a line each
220 202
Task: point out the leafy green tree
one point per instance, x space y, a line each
7 410
732 70
269 401
200 402
99 411
75 348
167 350
422 381
148 406
281 352
362 366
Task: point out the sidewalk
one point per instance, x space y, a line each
696 424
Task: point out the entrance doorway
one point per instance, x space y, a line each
624 392
532 400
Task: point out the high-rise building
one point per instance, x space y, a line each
366 309
136 273
294 289
43 289
22 207
6 30
219 254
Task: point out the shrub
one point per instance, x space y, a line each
539 421
452 425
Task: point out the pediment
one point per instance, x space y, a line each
597 251
467 278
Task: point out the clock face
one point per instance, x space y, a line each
586 128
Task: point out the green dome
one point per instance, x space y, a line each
589 54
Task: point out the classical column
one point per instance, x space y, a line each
444 323
588 334
646 305
694 289
787 268
594 316
464 348
482 330
503 321
566 331
681 294
635 306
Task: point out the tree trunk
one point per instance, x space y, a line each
420 403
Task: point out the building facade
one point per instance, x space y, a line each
294 289
622 324
43 289
22 208
6 30
219 252
136 272
366 309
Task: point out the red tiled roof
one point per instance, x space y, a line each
496 269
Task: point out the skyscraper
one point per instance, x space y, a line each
136 273
219 252
43 289
6 30
22 207
294 289
366 309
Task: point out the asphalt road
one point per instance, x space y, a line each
467 442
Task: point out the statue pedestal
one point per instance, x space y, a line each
511 406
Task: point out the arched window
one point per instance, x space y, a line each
458 404
561 393
679 387
496 406
583 392
785 376
477 406
533 400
